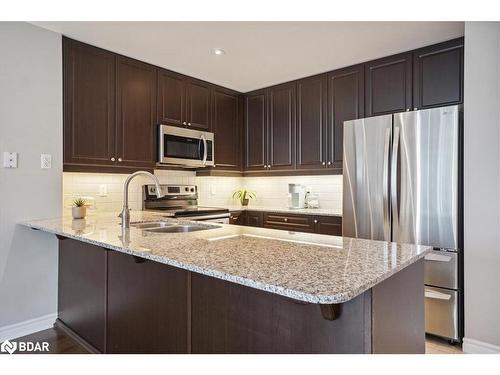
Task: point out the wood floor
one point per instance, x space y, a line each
60 343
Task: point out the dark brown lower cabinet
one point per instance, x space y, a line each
147 301
254 218
331 225
82 290
237 217
112 302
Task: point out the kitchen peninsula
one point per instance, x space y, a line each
214 288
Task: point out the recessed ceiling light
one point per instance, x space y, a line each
218 51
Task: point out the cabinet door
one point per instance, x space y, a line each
171 98
345 102
82 290
388 85
147 306
198 105
89 104
255 131
135 113
254 218
331 225
281 126
438 75
227 129
311 122
237 217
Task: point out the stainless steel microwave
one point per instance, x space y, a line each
185 147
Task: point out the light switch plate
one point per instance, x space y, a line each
46 161
10 159
103 190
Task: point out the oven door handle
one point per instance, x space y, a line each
203 217
205 152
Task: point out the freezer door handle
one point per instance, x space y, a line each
394 184
385 188
437 295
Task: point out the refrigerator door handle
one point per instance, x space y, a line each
385 188
394 184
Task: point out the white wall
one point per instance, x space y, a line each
482 187
30 124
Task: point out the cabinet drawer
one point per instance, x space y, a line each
331 225
299 223
441 269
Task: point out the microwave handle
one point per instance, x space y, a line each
205 152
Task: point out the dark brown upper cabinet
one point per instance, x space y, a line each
227 127
171 98
183 101
198 104
311 122
346 90
135 112
388 85
89 105
255 130
438 74
281 126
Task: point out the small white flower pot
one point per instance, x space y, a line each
78 212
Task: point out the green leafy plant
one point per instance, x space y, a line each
79 202
244 196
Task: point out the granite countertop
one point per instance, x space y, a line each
305 211
303 266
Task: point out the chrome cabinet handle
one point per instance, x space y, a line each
323 163
189 124
385 186
184 123
265 166
394 183
329 163
269 165
285 219
315 221
120 160
113 159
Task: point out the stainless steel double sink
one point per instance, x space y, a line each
169 227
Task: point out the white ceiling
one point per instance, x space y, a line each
258 54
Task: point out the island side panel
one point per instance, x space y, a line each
231 318
398 313
148 306
82 290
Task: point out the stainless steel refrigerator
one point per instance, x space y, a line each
402 183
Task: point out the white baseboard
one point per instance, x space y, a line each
472 346
27 327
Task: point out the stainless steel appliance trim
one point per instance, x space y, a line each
441 312
385 189
205 151
394 184
190 133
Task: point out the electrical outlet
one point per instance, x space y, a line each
213 190
10 159
103 190
46 161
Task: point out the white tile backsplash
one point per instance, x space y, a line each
213 191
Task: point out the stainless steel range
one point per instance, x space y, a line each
181 201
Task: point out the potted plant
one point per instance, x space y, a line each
244 196
79 210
